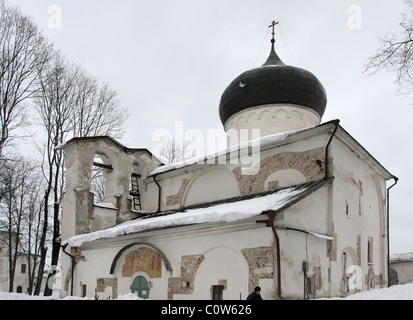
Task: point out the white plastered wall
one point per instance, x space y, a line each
268 119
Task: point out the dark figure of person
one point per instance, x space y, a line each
256 295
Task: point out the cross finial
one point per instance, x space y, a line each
273 24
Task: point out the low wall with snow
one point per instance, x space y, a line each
404 271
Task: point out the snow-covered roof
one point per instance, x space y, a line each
401 257
277 139
229 210
261 142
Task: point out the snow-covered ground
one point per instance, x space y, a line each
21 296
398 292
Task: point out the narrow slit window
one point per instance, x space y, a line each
217 292
370 251
84 290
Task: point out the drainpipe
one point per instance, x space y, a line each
336 123
159 193
388 233
271 215
73 268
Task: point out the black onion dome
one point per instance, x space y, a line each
273 82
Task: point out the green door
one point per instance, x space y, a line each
141 287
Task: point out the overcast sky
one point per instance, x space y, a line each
170 60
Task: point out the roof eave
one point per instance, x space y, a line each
267 143
108 139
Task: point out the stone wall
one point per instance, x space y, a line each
261 264
185 283
177 198
102 283
309 163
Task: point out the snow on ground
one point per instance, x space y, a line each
22 296
397 292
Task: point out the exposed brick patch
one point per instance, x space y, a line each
309 163
77 253
84 210
185 283
331 250
317 278
177 198
102 283
260 264
223 282
371 280
273 185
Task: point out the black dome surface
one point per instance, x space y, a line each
274 82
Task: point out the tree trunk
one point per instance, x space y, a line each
48 290
43 248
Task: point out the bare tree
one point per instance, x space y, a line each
396 53
31 233
172 151
55 101
23 55
70 104
97 110
18 181
98 184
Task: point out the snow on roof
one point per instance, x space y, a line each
106 205
224 212
261 142
315 234
401 257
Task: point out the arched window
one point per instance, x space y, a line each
100 169
140 286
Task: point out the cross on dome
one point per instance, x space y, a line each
273 24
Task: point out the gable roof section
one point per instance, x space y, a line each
108 140
362 152
283 138
227 210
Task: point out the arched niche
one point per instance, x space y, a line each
209 185
222 266
139 167
284 178
102 166
352 277
139 245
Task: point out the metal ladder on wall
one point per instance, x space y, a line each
134 192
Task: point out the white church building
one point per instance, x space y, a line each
296 206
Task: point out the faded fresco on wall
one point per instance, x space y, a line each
145 260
